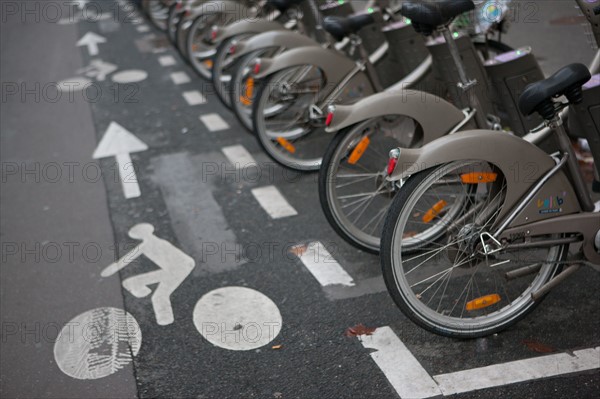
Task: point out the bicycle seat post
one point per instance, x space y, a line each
572 163
364 55
465 83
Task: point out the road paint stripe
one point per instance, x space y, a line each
411 380
237 318
142 28
167 60
519 371
401 368
239 156
194 97
273 202
130 76
180 78
214 122
97 343
322 265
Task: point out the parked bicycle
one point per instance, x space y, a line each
480 230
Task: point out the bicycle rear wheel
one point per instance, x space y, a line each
282 118
244 86
353 189
225 67
460 283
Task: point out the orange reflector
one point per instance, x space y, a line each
434 211
359 150
208 63
483 302
478 177
289 147
246 99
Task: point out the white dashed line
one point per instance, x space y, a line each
519 371
194 97
239 156
214 122
411 380
142 28
322 265
401 368
167 60
180 78
273 202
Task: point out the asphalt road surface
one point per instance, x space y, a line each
115 142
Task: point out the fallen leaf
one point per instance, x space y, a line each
298 250
276 346
538 346
359 329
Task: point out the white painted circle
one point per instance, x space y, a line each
97 343
130 76
77 83
237 318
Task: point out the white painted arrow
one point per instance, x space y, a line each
91 40
118 142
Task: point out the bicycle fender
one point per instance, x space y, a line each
521 163
247 26
336 66
279 38
227 7
436 116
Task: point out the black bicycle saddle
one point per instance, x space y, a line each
537 97
340 27
426 16
283 5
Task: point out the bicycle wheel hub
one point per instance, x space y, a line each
463 246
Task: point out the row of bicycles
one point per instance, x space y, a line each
438 146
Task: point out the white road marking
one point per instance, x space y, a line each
403 371
119 142
73 84
239 156
142 28
273 202
519 371
322 265
98 69
214 122
130 76
194 97
97 343
91 40
411 380
166 60
180 78
237 318
174 266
